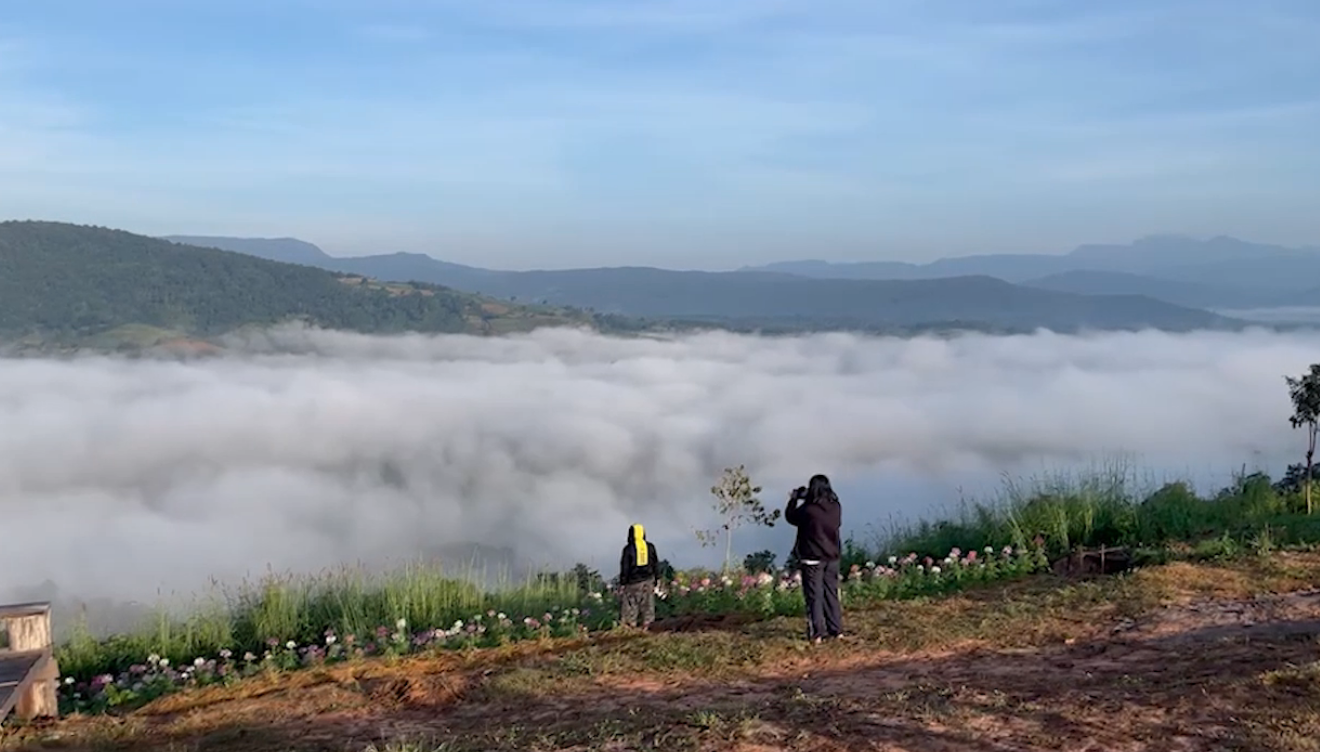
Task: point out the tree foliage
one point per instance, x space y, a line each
737 504
1304 392
761 561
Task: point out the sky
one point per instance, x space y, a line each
676 133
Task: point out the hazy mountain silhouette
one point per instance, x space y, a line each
1178 258
776 299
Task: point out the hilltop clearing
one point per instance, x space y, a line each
1210 656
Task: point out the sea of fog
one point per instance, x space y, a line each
301 449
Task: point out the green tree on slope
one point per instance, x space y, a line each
1305 394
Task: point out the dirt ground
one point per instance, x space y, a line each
1180 658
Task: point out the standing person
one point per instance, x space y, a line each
818 546
639 573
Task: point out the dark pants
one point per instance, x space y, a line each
820 589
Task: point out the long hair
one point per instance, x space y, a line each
637 541
819 489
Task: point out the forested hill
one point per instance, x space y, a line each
65 283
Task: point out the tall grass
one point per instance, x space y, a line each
1108 507
253 616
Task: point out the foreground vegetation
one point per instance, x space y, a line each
1209 656
283 623
1111 508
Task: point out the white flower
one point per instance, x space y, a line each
226 654
893 560
68 681
153 658
290 644
164 662
249 657
199 662
501 616
330 639
401 623
934 570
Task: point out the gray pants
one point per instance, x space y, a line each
637 600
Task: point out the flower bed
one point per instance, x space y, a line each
765 595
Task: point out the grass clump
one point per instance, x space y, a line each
1110 508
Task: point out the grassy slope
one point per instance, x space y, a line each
1193 657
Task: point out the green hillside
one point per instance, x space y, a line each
97 287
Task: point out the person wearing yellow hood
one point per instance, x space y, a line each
639 573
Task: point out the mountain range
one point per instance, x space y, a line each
72 284
785 297
1221 273
1218 273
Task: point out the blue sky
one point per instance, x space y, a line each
681 133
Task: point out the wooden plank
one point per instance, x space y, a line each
29 632
40 698
19 610
18 671
28 672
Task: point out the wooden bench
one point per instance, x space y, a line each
29 675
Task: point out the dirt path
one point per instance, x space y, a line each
1195 676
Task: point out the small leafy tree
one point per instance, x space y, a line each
737 504
761 561
1305 395
667 572
588 580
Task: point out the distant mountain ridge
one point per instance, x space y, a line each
1156 255
1218 273
1190 294
776 299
